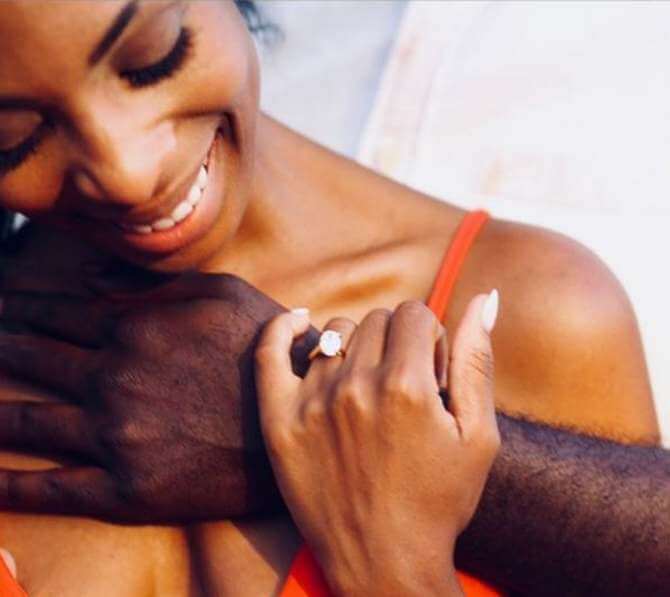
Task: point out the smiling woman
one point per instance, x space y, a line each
163 67
122 153
133 131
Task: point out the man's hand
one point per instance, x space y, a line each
159 402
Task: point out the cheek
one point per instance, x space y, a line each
224 75
34 188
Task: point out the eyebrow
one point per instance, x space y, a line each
113 33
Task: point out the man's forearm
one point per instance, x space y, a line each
565 514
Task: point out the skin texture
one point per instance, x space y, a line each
612 502
298 223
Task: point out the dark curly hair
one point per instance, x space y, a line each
256 21
257 24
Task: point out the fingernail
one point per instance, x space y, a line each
9 561
300 311
490 311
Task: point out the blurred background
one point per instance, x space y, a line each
551 113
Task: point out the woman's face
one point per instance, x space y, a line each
129 124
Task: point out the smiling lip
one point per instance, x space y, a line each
193 226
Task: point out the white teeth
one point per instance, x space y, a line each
163 224
194 195
202 178
181 211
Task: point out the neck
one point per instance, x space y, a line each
296 188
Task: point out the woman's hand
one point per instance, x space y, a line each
379 476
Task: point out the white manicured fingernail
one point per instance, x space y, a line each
9 561
490 311
300 311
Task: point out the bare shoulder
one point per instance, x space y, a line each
568 348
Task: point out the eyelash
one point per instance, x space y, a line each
166 67
14 157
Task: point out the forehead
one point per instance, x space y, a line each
42 38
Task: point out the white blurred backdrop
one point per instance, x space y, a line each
552 113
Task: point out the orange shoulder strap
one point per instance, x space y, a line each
305 578
453 261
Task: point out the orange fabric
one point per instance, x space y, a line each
8 586
305 579
453 262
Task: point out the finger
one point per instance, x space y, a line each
471 367
47 428
8 560
57 365
276 382
442 360
323 365
80 491
366 347
69 318
411 343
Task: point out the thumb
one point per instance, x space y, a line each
8 559
275 379
471 366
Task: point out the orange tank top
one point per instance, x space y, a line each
305 578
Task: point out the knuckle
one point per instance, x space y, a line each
53 489
137 330
381 315
398 384
314 413
110 437
340 324
110 381
349 396
415 310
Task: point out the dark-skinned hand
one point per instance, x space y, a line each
159 409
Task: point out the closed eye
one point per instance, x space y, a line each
13 157
165 67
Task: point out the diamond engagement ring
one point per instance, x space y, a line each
330 345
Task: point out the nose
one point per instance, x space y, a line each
121 162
